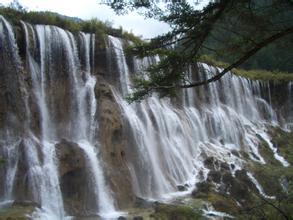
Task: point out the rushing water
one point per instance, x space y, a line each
214 120
169 140
62 96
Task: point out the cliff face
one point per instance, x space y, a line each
74 147
114 144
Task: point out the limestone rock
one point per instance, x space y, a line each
70 157
73 176
113 144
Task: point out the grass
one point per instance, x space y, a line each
251 74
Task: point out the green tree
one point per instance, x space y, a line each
232 29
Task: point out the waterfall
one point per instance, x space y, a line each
68 137
172 142
61 105
122 65
8 136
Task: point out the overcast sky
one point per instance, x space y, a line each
87 9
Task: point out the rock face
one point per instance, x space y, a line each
221 179
12 83
70 157
113 144
72 171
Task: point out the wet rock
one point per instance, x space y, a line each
214 176
70 157
137 218
225 166
227 178
255 156
114 144
202 187
22 187
12 86
73 177
209 163
237 187
181 188
241 176
232 166
235 153
142 203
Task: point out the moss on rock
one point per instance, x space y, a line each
176 212
17 212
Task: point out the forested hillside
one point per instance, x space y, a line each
236 25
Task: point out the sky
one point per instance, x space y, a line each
87 9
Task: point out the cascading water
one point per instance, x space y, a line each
62 97
54 149
8 136
173 142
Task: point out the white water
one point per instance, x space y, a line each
9 144
274 149
170 143
259 187
212 214
82 121
51 57
8 39
43 176
173 142
122 67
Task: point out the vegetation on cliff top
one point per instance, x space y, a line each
15 13
232 30
263 75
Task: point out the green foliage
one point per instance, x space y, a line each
270 176
284 141
238 28
250 74
157 78
176 212
101 29
221 202
230 30
264 75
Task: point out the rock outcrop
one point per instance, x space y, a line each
72 171
113 143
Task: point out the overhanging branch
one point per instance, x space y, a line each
242 59
245 57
